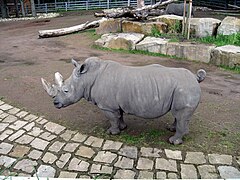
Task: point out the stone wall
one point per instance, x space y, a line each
226 55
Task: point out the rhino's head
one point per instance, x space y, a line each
65 93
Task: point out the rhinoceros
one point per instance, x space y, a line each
147 91
177 9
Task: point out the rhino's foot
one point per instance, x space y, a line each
171 128
122 126
175 141
113 131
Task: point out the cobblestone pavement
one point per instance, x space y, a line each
30 144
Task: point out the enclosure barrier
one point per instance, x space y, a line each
85 5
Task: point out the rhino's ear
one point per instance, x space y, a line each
83 69
75 63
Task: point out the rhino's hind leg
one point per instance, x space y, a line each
182 124
122 124
114 118
172 127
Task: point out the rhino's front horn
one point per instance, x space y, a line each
51 90
58 79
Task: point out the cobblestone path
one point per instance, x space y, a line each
30 144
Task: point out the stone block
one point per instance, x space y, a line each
109 26
54 128
144 164
101 169
5 148
105 157
168 165
207 172
143 28
150 152
129 151
173 154
190 51
112 145
63 160
202 27
26 165
228 55
45 171
94 142
220 159
86 152
188 171
195 158
124 163
229 25
174 22
78 165
6 161
56 146
152 44
229 172
124 174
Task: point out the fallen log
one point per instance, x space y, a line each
69 30
139 13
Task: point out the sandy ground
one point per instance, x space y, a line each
24 59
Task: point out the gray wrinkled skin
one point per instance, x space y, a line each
149 92
177 9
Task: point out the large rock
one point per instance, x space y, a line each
144 28
125 41
152 44
174 23
229 25
109 26
190 51
228 55
202 27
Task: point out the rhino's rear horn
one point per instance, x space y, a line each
48 88
58 79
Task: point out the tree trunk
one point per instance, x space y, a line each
4 8
33 8
69 30
23 8
139 13
16 8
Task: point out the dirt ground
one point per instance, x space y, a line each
24 59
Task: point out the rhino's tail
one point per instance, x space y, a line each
201 74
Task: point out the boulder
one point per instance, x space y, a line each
143 28
202 27
229 25
125 41
228 55
190 51
152 44
109 26
174 23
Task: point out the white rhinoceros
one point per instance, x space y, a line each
148 91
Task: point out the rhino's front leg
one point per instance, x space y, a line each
115 121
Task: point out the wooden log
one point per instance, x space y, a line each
69 30
139 13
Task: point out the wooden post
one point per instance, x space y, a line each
184 18
189 18
22 7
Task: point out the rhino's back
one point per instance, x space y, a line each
145 91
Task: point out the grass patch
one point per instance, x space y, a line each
235 69
147 53
221 40
92 34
